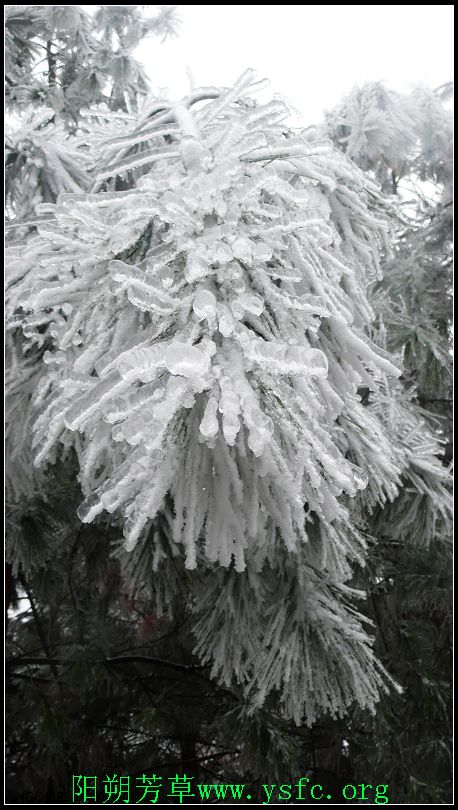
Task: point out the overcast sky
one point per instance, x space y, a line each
311 54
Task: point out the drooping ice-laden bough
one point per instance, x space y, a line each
206 332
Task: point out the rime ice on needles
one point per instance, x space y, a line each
207 330
216 314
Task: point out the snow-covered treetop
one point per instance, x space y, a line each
395 134
66 58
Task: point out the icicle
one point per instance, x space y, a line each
204 305
188 361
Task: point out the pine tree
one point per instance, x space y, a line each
63 58
406 143
59 61
194 347
205 331
154 705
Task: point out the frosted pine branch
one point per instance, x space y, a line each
204 333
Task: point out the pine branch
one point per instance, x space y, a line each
53 662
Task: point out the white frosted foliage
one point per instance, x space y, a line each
219 314
237 269
250 302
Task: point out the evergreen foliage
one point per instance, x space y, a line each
406 142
